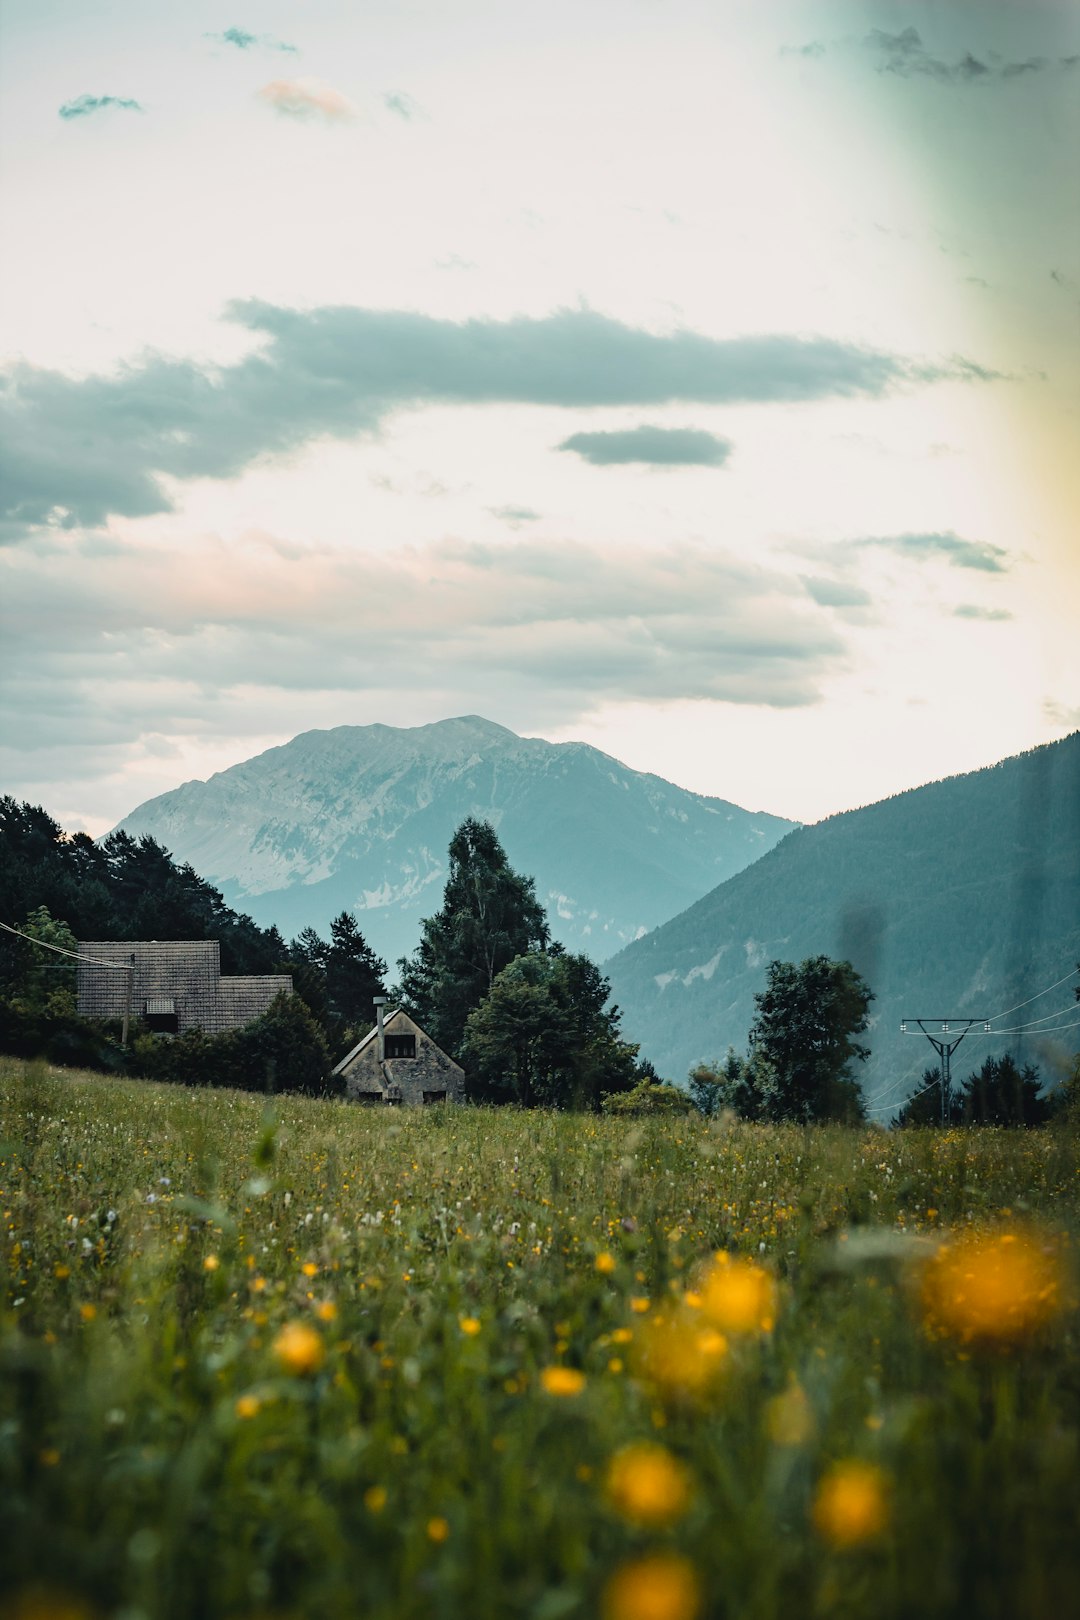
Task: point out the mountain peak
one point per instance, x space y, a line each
360 818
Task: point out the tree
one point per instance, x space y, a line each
801 1040
1002 1093
923 1107
544 1034
489 916
728 1085
354 974
648 1097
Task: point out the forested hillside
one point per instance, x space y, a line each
962 897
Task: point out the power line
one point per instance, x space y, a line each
1070 975
1027 1029
92 961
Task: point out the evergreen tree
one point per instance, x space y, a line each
354 974
1002 1093
923 1107
489 916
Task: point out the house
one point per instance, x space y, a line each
397 1062
171 985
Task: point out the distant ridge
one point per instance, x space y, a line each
360 817
959 897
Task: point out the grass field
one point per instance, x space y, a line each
320 1361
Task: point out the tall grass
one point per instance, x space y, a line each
404 1450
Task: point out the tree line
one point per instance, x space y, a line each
530 1022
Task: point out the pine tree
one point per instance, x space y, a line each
489 916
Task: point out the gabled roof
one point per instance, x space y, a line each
371 1035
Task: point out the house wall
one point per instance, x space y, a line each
403 1080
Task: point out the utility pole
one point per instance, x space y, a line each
127 1001
944 1043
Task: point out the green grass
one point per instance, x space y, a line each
422 1469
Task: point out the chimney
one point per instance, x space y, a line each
380 1003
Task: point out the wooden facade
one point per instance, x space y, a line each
400 1064
172 985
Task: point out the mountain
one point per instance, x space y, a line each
959 898
360 817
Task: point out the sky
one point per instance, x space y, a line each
696 380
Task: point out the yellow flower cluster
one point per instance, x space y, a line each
647 1485
662 1586
299 1349
992 1288
851 1505
738 1297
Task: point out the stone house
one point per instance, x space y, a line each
397 1062
170 985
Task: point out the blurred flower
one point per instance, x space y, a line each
326 1310
211 1262
605 1263
738 1296
309 1268
647 1485
247 1406
469 1325
437 1530
851 1504
681 1354
992 1287
788 1418
88 1312
375 1498
660 1587
299 1348
562 1380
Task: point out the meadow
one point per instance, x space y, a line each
290 1358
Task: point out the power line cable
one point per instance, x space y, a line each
92 961
1070 975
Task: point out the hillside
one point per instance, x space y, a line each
961 897
360 817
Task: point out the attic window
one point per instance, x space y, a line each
401 1046
161 1016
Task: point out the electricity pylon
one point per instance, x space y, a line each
944 1047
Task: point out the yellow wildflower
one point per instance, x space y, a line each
88 1312
662 1586
469 1325
375 1498
640 1304
437 1530
247 1406
299 1348
788 1418
605 1263
647 1485
680 1354
738 1296
562 1380
852 1504
994 1288
309 1268
210 1262
326 1310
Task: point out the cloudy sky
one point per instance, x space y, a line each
695 378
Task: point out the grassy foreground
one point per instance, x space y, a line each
331 1362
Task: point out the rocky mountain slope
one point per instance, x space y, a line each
962 897
360 817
